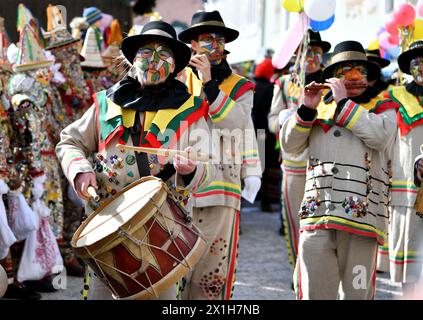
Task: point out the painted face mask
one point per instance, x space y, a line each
153 63
314 58
351 71
213 45
416 68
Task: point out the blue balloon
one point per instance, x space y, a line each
394 52
321 25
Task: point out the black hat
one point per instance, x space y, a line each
205 22
161 31
374 56
315 40
404 59
350 51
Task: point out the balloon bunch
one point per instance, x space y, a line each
320 12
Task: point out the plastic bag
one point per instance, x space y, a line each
7 238
23 221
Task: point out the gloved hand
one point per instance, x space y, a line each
285 114
252 186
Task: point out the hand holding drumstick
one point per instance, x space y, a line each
85 184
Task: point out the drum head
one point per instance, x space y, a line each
118 212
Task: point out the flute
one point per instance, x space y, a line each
195 156
319 86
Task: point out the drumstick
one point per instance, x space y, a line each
93 193
195 156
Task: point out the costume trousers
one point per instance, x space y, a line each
405 245
213 277
332 262
292 196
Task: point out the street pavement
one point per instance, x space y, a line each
263 271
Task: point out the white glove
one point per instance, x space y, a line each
285 114
252 186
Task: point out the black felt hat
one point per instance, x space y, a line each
207 22
374 56
316 40
160 31
404 59
350 51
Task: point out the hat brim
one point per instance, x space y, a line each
322 44
181 52
62 44
373 69
405 58
32 66
380 61
192 33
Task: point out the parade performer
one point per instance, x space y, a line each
343 216
136 111
286 100
216 207
406 238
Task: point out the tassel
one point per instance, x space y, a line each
7 238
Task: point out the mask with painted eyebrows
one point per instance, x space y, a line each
416 69
213 45
154 62
351 71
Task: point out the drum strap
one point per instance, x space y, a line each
142 160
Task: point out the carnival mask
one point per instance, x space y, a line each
416 69
314 58
153 63
351 71
212 45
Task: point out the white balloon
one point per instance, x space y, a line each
319 10
3 282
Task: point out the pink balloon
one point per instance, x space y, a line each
391 26
393 39
290 41
384 41
419 7
405 15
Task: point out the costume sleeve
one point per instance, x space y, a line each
296 130
376 129
228 113
251 165
77 142
278 104
199 138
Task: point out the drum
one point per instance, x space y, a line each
140 242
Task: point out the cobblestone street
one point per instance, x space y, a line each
263 271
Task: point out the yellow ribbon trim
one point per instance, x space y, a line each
408 101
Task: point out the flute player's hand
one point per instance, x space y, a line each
312 97
339 91
202 64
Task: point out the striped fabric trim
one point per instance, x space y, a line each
291 233
232 260
403 186
402 257
384 250
301 125
222 110
338 223
220 188
250 156
72 161
297 167
203 178
350 114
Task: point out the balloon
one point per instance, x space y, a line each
293 5
405 15
322 25
3 282
419 8
320 10
384 41
290 41
381 29
373 45
394 52
391 26
392 39
418 29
